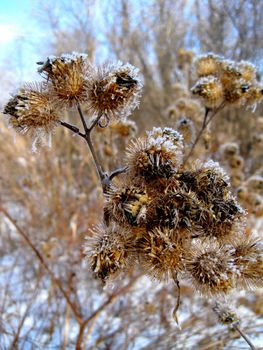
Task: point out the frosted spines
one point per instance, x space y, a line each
157 156
68 75
108 250
126 205
160 253
113 90
33 110
248 257
205 65
210 89
211 268
221 82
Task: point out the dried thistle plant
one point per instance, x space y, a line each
173 220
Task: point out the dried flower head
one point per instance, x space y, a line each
248 257
225 315
126 205
211 267
178 209
160 253
209 181
107 251
211 90
255 184
113 90
207 65
68 76
228 150
248 70
32 111
189 108
186 127
158 155
236 162
125 128
254 96
222 81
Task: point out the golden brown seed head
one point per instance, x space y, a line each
68 75
157 156
114 90
225 315
126 205
248 70
32 108
228 150
124 128
207 65
211 90
255 184
107 251
248 257
186 127
211 268
160 253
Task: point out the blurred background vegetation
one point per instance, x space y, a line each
49 200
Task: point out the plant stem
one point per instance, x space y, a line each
72 128
105 178
206 121
243 335
176 281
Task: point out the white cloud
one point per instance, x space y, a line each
9 33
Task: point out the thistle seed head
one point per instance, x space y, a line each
211 90
208 64
159 155
211 268
68 75
107 251
160 253
113 90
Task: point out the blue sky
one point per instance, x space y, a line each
18 33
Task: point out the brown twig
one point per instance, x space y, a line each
43 263
95 314
176 281
72 128
243 335
206 121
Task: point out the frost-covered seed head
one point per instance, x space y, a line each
107 251
210 89
68 74
114 90
33 111
160 253
208 64
211 268
126 205
158 155
248 257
